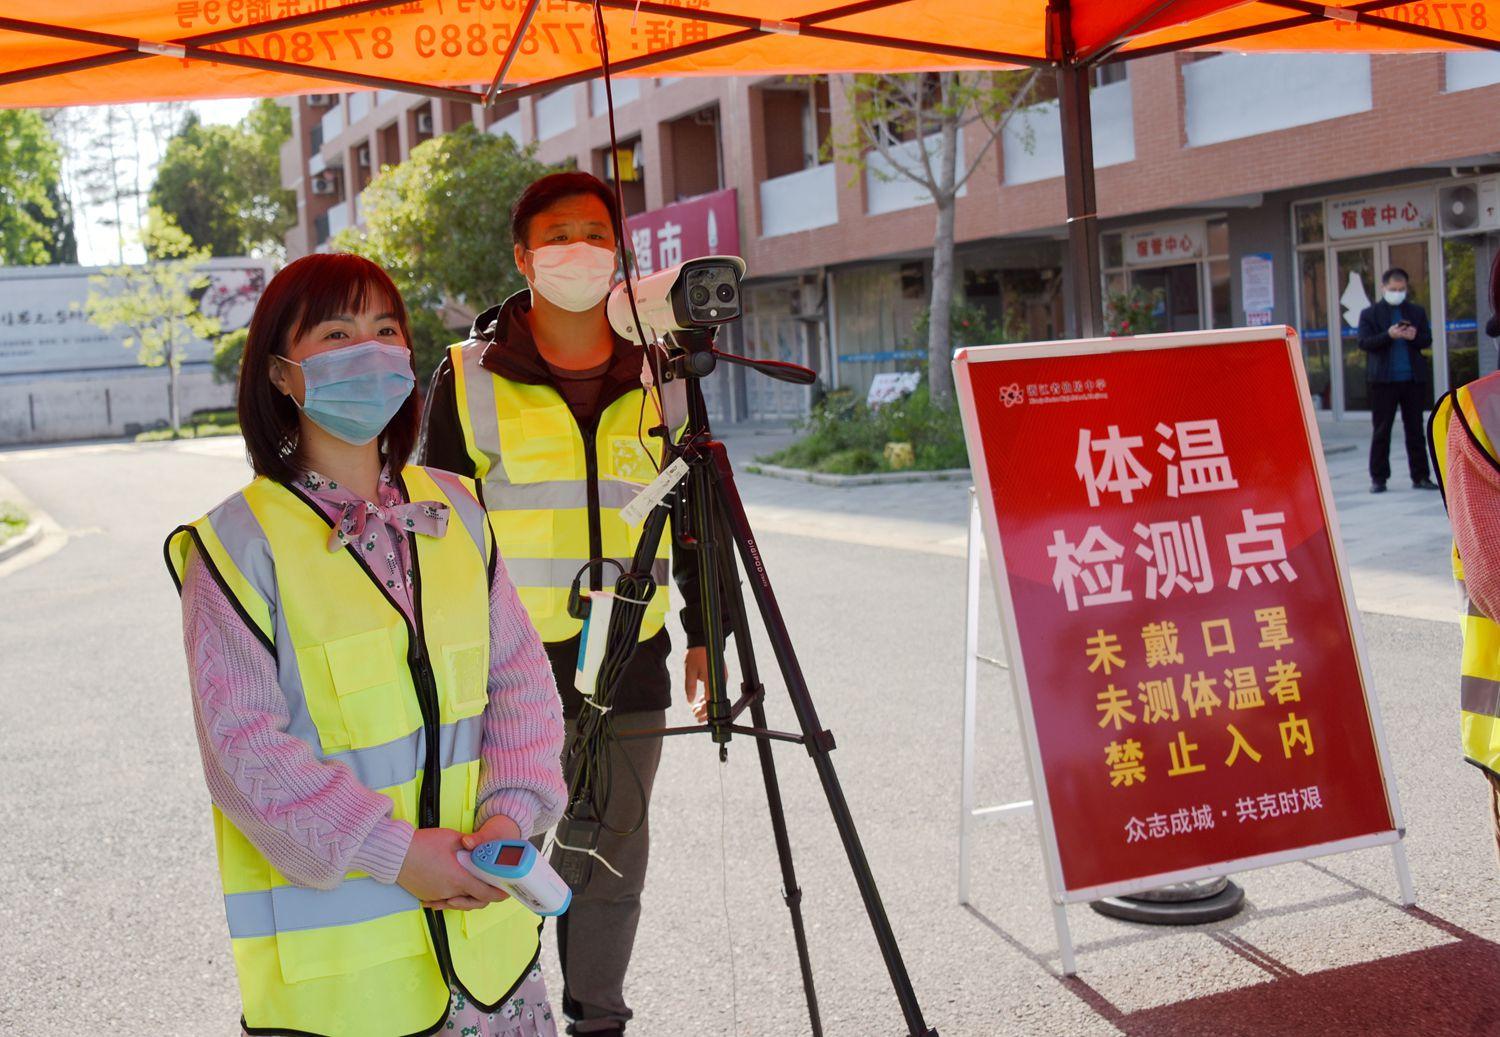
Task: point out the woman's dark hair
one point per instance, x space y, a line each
553 188
303 295
1492 328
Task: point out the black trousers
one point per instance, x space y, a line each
1385 399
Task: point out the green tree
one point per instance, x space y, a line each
157 302
439 224
222 184
30 172
912 121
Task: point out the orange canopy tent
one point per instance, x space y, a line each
102 51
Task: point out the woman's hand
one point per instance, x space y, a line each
497 827
432 874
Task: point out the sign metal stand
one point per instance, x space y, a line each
983 537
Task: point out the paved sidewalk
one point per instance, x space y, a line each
1397 543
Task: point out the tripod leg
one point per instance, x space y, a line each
791 892
819 742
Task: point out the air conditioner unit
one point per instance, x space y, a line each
362 156
321 100
325 185
1469 207
424 122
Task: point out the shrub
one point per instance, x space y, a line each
844 436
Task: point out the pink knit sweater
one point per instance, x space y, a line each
313 819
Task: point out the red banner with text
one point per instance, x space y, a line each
1183 633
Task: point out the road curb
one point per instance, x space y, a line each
887 478
16 544
872 479
42 538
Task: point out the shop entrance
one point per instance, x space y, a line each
1179 297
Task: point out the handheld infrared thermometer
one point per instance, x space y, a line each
514 866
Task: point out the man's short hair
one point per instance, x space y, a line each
1394 272
553 188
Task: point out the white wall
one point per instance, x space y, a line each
509 126
556 112
360 103
799 201
333 122
1032 141
887 191
625 91
1232 96
48 408
1467 69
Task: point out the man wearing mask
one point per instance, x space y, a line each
544 405
1394 332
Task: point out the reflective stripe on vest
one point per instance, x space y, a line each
359 958
1477 405
529 453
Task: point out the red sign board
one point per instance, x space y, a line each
1179 620
708 225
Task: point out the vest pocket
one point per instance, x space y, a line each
629 461
372 697
486 918
340 949
468 676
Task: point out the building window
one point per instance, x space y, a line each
1309 221
797 123
629 163
692 155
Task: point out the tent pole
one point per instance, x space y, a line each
1086 280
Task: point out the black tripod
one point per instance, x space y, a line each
708 515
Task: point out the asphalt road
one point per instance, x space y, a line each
113 922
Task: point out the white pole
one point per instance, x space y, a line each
971 679
1064 940
1403 873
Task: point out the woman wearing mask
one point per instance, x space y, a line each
370 696
1465 432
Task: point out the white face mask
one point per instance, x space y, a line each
1395 298
574 277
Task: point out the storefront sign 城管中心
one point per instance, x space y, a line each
1153 246
1382 212
1191 680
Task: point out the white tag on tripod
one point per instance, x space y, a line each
651 495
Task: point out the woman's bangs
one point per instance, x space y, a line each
344 296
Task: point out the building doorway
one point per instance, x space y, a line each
1179 303
1356 271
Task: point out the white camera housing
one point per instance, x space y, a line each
700 293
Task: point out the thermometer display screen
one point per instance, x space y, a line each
510 856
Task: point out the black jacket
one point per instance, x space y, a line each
511 353
1375 339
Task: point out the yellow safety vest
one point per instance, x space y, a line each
539 471
1478 408
402 706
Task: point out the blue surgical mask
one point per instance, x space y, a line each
353 392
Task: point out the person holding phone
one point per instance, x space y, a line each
1395 334
370 696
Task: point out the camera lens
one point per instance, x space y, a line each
725 292
698 296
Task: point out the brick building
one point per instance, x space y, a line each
1236 189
